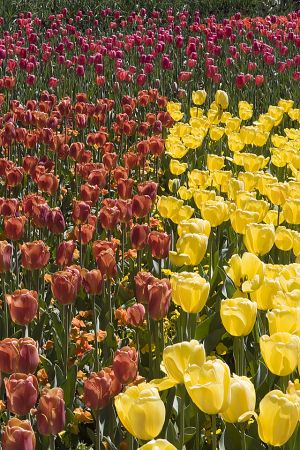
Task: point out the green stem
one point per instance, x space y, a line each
5 305
149 344
51 442
157 348
98 430
96 354
181 418
66 327
239 355
244 444
214 431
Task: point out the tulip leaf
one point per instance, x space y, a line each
38 328
171 434
69 386
60 378
189 433
203 328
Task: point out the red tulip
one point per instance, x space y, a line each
100 388
21 392
34 255
23 306
125 364
51 414
18 434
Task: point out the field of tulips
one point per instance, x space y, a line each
149 230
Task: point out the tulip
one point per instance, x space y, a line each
109 217
64 253
194 225
100 388
18 434
21 392
139 236
284 238
265 295
18 355
240 219
65 285
221 99
23 306
242 400
280 352
190 291
56 221
284 320
142 281
125 364
159 297
81 211
92 281
135 315
106 262
34 255
168 206
291 211
192 247
215 162
215 212
238 315
158 444
278 417
51 412
14 227
159 243
141 411
199 97
5 256
259 238
208 385
141 205
246 272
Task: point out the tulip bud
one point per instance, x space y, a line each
23 306
221 99
100 388
51 412
242 400
190 291
125 364
142 280
5 256
278 418
147 411
18 434
208 385
21 392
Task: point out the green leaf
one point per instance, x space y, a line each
60 378
189 433
69 386
203 328
38 328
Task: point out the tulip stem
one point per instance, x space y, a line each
51 442
239 355
66 327
5 305
96 362
149 344
98 429
214 431
181 418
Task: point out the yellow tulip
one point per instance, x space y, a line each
194 225
158 444
221 98
190 291
221 179
199 97
193 246
248 135
246 272
234 188
242 198
277 193
286 104
263 181
198 178
245 110
284 319
141 411
238 315
196 112
208 386
216 212
261 138
284 238
173 185
232 124
185 212
235 142
259 238
167 206
293 392
177 358
264 296
215 162
239 219
242 400
296 243
177 168
277 418
202 196
280 352
176 115
215 133
272 217
249 179
173 106
185 193
291 211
